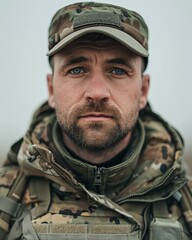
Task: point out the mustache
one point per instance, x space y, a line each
97 106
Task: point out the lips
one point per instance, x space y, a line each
96 116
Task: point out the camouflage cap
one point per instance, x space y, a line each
75 20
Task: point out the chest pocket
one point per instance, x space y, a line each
166 229
163 227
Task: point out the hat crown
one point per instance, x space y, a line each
84 14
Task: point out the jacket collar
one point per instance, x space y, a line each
103 180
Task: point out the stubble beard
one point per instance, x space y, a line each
97 137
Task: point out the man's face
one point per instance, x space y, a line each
97 91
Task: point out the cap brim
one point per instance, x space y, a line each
120 36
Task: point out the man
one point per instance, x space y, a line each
97 162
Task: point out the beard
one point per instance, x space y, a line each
98 136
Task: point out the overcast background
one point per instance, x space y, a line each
23 63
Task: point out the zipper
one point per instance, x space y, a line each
98 172
122 200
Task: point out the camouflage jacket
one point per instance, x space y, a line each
58 196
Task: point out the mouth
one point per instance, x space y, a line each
94 117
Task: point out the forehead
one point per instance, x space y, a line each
98 42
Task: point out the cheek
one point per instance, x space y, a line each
66 87
66 97
127 96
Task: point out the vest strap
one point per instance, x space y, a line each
160 209
9 206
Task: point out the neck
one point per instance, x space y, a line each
96 157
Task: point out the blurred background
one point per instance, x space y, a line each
23 63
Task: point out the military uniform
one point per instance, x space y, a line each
144 196
46 192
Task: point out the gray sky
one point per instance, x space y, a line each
23 62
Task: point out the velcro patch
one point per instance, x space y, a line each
96 19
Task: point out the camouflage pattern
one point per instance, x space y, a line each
141 171
62 202
82 15
7 178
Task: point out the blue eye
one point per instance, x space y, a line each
118 71
77 70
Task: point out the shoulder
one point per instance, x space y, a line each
8 176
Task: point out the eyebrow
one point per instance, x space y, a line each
121 61
118 61
76 60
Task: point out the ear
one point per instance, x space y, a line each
51 99
144 90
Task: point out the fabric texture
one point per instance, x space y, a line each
76 20
62 190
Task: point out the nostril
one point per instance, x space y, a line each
95 101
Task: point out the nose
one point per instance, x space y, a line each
97 88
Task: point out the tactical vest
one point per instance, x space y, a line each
162 226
